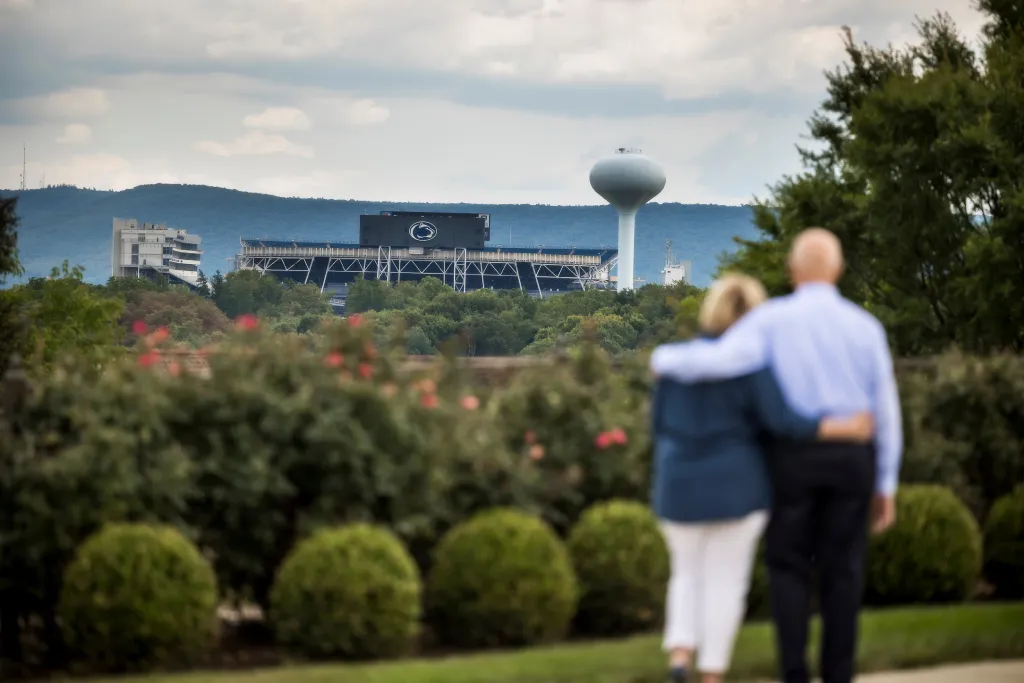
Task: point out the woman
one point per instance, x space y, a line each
712 490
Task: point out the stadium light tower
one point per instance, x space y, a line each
627 180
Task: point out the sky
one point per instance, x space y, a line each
480 101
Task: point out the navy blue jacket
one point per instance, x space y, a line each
709 439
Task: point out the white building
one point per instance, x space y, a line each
678 272
138 249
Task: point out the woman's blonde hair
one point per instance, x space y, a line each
728 300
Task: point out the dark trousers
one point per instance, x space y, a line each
819 520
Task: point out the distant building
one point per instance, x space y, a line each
144 249
403 246
678 272
674 271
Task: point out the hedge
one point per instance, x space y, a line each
623 568
1004 545
351 592
501 578
290 433
138 597
932 553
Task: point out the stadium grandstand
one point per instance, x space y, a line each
408 246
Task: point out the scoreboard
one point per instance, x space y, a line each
411 229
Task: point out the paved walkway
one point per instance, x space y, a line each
994 672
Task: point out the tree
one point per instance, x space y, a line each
126 286
65 315
216 284
203 286
9 262
915 163
10 325
189 317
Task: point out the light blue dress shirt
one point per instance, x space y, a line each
830 357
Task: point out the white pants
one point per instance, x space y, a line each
707 593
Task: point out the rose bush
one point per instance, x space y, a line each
584 426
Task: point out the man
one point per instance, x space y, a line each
831 358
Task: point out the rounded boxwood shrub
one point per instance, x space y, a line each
347 592
931 554
501 578
137 597
623 567
1004 545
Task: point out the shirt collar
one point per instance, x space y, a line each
816 287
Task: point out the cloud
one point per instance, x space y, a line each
103 171
365 113
278 118
76 103
685 49
254 143
75 134
315 184
463 100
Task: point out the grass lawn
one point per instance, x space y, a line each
891 639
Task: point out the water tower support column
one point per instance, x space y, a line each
627 228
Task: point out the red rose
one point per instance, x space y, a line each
247 322
334 360
355 320
159 336
149 359
618 436
140 327
603 440
365 370
429 400
470 402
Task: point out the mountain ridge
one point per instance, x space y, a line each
66 222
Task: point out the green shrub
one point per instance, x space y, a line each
349 592
931 554
93 449
501 578
1004 545
137 597
970 413
623 568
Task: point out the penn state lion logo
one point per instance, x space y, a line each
422 231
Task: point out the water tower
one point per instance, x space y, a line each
627 180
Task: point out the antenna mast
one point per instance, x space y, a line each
23 158
668 253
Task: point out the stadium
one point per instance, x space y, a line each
402 246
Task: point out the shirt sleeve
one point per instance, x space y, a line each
743 349
774 413
888 418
